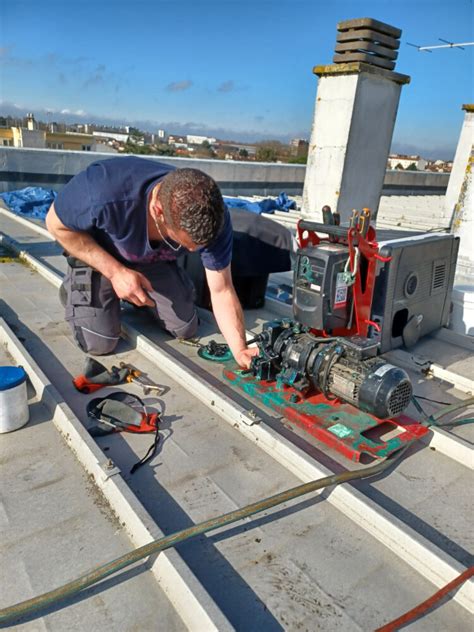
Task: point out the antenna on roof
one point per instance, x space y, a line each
451 44
447 44
419 47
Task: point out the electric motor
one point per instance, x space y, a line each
375 387
343 367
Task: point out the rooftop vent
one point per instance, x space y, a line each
439 276
369 41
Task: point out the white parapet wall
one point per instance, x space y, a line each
52 168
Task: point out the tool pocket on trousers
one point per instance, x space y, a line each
81 287
77 312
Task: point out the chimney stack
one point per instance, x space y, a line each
356 106
30 122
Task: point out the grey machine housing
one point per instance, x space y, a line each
412 291
412 294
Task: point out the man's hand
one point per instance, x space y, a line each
244 357
128 284
132 286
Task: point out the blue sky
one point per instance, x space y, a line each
237 69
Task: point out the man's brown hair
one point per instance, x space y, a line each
192 201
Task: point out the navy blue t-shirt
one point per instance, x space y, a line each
109 200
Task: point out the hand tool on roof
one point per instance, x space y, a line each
123 412
96 376
134 375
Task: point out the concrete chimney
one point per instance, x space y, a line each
356 106
459 205
459 200
30 122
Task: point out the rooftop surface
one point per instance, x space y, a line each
53 520
352 558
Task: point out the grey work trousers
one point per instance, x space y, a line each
93 308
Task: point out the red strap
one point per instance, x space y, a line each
414 613
149 423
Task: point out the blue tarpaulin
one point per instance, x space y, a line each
29 202
281 203
35 202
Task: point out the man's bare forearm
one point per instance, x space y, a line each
129 285
230 319
82 246
229 315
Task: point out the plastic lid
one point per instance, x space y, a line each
11 376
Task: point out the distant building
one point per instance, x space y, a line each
299 147
250 149
439 166
73 141
81 128
177 141
118 136
6 137
25 137
397 161
41 139
236 150
199 140
105 148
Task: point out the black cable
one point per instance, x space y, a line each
434 401
150 453
433 420
455 422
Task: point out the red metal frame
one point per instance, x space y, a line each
337 424
363 288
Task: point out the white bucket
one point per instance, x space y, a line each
14 412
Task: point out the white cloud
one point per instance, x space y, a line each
179 86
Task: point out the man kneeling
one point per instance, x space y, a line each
123 223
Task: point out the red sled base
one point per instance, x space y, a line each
338 425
